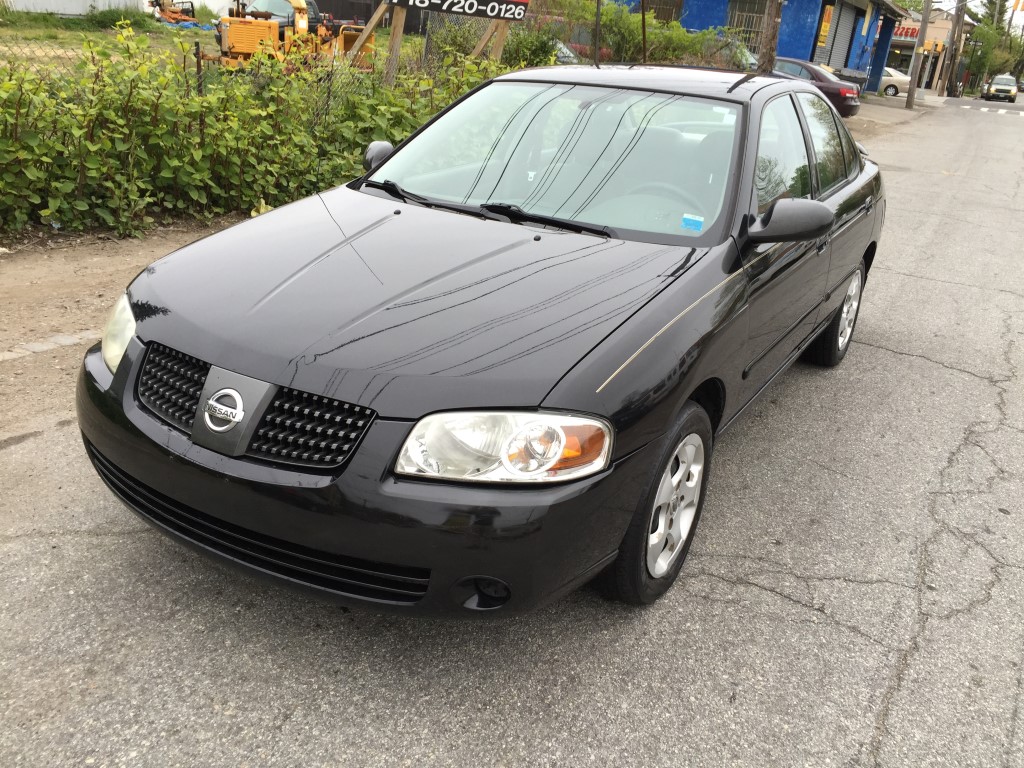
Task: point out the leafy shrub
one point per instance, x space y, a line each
455 38
93 21
529 47
128 139
667 42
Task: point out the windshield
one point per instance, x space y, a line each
1003 80
651 166
276 7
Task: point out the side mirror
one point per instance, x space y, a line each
792 220
376 154
860 148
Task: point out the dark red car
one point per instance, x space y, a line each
843 95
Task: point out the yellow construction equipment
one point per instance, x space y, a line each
278 27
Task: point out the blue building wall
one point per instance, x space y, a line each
885 32
799 28
703 14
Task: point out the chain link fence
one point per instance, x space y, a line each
448 32
43 57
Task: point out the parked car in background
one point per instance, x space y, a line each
894 82
495 366
845 97
1001 88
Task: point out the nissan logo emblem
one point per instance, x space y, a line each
223 410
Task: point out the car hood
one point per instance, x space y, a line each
398 307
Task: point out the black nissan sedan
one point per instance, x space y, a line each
496 366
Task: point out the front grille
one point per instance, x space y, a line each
309 430
170 385
338 574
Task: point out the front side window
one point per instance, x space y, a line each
782 168
828 146
643 163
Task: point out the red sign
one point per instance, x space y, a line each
905 33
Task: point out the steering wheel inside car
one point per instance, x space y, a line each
664 189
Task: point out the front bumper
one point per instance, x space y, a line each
363 535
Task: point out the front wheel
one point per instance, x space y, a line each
891 90
659 536
832 344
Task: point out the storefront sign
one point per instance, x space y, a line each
905 33
826 22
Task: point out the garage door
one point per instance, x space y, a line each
840 35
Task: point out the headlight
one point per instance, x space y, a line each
119 331
505 447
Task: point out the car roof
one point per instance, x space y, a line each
692 81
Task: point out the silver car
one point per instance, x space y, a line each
895 82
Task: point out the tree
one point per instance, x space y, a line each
990 12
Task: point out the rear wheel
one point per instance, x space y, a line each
659 536
832 344
891 90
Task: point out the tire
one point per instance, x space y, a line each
833 343
646 567
891 90
1013 100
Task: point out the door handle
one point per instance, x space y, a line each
821 246
868 206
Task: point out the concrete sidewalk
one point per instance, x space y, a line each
878 114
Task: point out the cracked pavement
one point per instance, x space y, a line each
854 596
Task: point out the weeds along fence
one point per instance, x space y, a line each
121 133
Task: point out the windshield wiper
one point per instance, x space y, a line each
516 214
396 191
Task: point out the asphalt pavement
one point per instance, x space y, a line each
854 596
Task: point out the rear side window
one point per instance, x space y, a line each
850 152
782 166
828 146
792 69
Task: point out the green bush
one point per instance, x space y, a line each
526 47
94 21
455 38
128 140
667 42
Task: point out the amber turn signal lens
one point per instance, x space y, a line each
583 444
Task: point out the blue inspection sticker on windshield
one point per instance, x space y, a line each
693 223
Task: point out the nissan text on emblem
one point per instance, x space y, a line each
223 410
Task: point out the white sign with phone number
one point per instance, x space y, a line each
488 9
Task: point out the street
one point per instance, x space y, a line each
854 596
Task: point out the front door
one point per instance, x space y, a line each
787 280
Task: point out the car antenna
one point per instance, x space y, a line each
745 79
597 37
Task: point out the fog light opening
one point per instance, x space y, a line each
482 593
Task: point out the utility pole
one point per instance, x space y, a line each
643 28
922 36
769 37
953 55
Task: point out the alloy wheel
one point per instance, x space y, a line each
675 505
851 302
